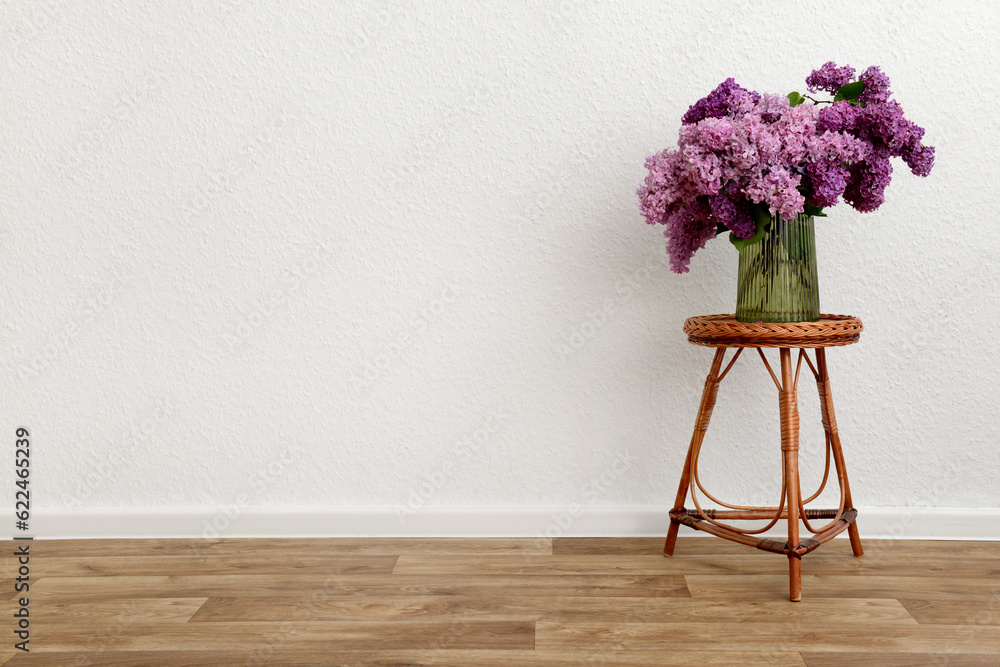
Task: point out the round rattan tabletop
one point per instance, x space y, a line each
726 331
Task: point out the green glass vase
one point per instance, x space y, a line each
777 279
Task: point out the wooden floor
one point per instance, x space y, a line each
568 601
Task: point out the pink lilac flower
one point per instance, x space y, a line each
778 188
830 78
833 146
712 133
772 107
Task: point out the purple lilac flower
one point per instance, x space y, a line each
826 174
919 159
729 208
689 228
751 153
827 181
737 148
876 86
829 77
877 121
866 186
886 123
728 98
885 128
837 117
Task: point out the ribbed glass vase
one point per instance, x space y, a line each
777 275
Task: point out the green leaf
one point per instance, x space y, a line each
761 215
850 91
816 211
795 99
762 219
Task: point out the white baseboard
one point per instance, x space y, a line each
929 523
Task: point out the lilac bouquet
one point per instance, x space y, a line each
743 157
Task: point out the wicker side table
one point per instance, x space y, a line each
723 332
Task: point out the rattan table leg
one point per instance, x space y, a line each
708 397
790 453
830 426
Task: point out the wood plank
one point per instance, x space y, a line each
900 659
946 549
133 610
210 565
282 585
969 610
704 545
258 638
781 635
647 546
561 608
314 546
325 657
901 565
586 565
764 587
754 562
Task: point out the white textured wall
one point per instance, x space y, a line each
350 235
